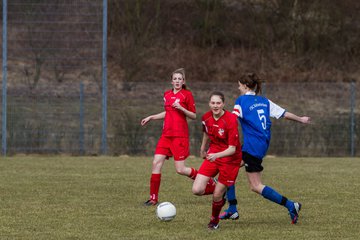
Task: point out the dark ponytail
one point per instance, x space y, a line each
252 81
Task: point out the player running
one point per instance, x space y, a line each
179 104
254 113
223 156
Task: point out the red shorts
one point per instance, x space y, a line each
227 172
173 146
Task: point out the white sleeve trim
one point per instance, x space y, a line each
203 123
276 111
238 111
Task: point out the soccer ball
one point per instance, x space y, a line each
166 211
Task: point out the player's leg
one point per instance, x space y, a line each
182 169
180 149
227 177
199 184
231 212
192 173
209 169
155 179
217 204
271 194
162 152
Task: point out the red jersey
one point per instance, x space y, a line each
175 123
222 133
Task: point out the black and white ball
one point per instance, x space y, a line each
166 211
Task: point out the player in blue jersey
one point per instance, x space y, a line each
254 113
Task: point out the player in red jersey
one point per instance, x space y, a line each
179 104
223 156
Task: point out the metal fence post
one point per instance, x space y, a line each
352 119
104 81
82 132
263 89
4 80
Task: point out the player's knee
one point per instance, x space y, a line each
197 191
180 171
157 164
217 197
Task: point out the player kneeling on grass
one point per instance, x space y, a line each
223 156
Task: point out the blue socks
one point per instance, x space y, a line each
267 193
274 196
231 197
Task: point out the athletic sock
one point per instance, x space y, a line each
275 197
210 187
155 186
193 173
288 204
216 208
231 197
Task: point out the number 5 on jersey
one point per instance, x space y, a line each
262 118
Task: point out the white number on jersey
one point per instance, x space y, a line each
262 118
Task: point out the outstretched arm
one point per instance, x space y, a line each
293 117
153 117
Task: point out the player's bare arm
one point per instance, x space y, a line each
203 146
153 117
227 152
294 117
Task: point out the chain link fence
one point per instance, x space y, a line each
333 107
66 119
55 93
52 74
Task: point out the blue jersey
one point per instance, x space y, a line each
254 113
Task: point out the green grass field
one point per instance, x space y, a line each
101 198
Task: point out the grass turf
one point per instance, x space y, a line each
101 198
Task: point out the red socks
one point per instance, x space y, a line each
193 173
155 186
210 187
216 208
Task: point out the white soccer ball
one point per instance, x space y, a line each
166 211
